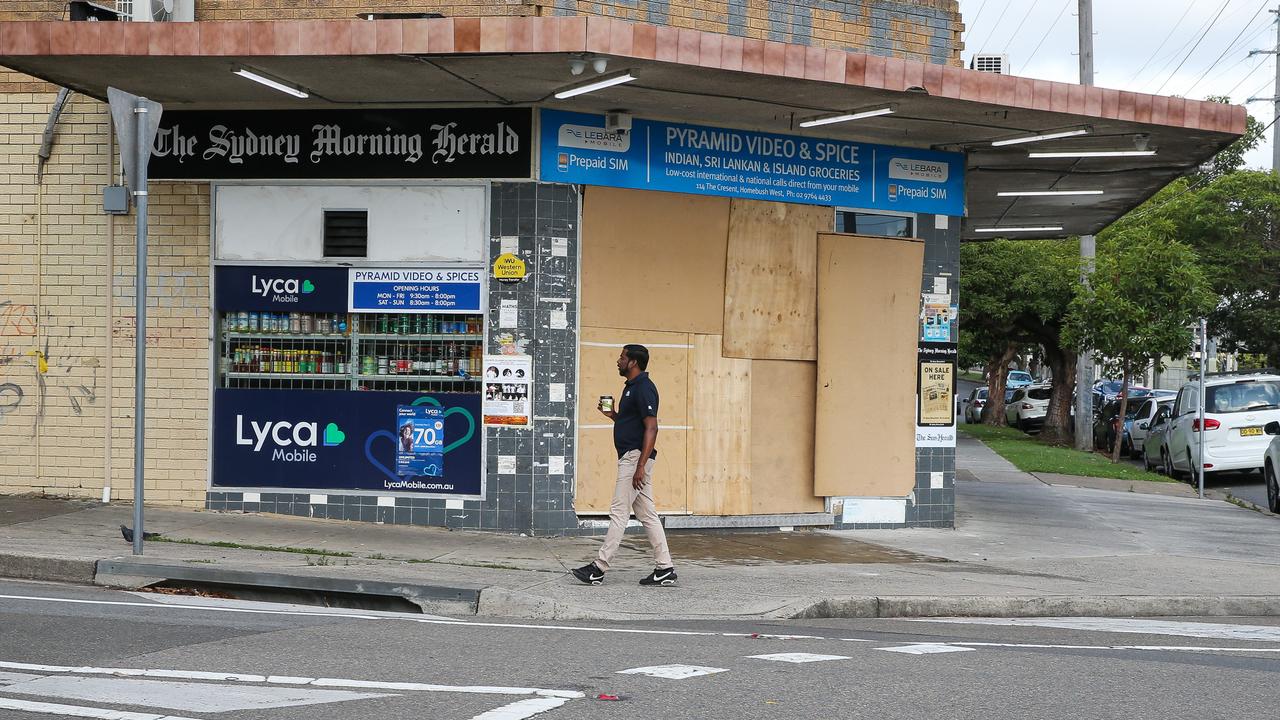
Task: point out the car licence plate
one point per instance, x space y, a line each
1250 431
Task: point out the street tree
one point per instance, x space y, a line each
1144 295
1014 295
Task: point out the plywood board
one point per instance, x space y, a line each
868 325
782 420
598 375
770 300
719 443
653 261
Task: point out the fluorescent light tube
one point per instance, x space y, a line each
1046 193
1038 138
598 84
1046 228
846 117
269 82
1092 154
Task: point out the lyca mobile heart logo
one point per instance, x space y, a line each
333 435
307 286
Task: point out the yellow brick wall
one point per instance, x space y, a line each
63 366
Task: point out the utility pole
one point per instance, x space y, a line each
1084 363
1275 96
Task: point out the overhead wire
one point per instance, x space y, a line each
1022 22
1048 31
1164 42
1168 60
983 45
1174 74
969 26
1230 46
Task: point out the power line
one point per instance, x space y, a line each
1193 47
1244 58
1168 60
1261 64
983 46
1047 32
1225 50
1165 41
976 18
1020 24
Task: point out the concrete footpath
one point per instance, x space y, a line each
1023 546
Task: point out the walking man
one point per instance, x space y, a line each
635 432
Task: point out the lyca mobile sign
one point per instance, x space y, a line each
577 148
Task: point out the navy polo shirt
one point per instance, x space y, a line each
639 400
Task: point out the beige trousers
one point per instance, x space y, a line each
626 499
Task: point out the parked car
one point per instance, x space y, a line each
1153 455
1139 426
1237 408
973 405
1271 466
1018 378
1104 391
1105 422
1027 408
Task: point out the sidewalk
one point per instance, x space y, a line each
1023 546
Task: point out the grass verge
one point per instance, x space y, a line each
1029 455
973 377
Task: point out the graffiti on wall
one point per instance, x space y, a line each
30 374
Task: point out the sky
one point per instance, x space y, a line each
1190 48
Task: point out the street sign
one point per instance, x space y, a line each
124 117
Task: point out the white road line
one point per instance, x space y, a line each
182 696
1136 626
798 657
1160 648
316 682
673 672
925 649
81 711
521 709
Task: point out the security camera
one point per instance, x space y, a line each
618 121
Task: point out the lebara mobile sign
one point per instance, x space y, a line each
577 148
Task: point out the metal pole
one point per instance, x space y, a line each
1204 360
1275 128
1086 41
140 329
1084 363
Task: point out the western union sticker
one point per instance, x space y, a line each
508 268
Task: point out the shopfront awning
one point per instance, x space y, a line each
685 75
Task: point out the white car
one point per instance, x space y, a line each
1027 408
1271 467
1237 408
1138 428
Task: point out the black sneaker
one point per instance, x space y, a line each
660 576
589 574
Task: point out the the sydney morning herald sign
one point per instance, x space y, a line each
366 143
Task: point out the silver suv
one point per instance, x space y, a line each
1237 407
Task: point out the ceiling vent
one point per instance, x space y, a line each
998 64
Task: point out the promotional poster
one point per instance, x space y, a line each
508 390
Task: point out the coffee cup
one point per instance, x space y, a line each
606 403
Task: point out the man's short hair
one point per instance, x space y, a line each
639 353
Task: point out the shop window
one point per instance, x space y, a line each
865 223
346 233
